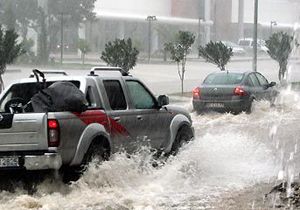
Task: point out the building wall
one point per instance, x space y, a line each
282 11
187 8
137 7
221 15
285 13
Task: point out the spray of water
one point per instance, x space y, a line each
288 148
230 153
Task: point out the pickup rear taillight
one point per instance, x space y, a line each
239 91
53 133
196 93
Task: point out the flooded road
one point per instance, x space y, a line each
233 162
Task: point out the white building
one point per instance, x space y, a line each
273 15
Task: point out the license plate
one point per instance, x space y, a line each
9 162
215 105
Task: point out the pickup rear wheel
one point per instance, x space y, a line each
184 135
98 151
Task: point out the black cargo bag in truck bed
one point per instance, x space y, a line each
58 97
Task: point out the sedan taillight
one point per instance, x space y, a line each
196 93
53 133
239 91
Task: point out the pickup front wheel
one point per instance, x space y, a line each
184 135
96 152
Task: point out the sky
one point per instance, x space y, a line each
282 11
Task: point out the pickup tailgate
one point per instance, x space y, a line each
23 132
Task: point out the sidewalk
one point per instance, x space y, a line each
93 59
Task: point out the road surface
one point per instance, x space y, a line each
232 163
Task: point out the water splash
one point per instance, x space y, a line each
287 148
229 154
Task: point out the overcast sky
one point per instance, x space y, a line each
281 11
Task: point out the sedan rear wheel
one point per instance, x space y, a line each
249 107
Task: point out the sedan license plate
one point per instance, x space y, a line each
9 162
215 105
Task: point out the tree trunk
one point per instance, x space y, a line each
181 86
1 84
182 76
282 71
2 71
165 55
183 73
24 31
279 75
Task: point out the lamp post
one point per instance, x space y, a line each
199 34
241 19
61 37
272 23
150 19
254 63
199 31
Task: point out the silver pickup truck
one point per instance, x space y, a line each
121 113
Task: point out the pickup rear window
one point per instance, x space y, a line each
25 91
115 94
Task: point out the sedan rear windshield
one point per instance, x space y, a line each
244 43
224 79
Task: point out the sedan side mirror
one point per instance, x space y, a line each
272 84
163 100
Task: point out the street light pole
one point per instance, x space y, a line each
150 19
241 19
61 38
254 63
199 34
272 23
199 31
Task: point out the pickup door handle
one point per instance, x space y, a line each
117 119
139 117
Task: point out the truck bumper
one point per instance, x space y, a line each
41 162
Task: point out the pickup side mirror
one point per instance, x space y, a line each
162 100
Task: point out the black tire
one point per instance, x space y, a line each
197 109
96 152
184 135
249 107
199 112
